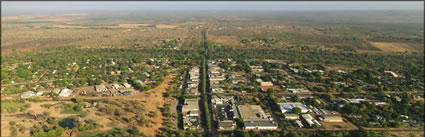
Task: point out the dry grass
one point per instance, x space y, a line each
398 47
225 40
338 126
135 25
163 26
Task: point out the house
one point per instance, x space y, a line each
332 118
298 90
140 82
292 116
259 80
56 90
27 94
126 85
238 80
391 73
116 86
101 88
287 107
266 84
65 92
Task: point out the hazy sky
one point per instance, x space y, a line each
211 5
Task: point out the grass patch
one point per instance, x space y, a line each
70 111
14 107
87 134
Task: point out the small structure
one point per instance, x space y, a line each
292 116
39 93
28 94
65 92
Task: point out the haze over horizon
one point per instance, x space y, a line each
20 8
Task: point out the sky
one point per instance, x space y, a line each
10 6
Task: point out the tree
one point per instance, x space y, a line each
296 110
12 123
79 100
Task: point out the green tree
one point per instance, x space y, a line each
296 110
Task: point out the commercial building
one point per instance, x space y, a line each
255 118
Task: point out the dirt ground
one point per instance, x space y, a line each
29 122
152 101
398 47
338 125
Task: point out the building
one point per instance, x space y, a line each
56 90
39 93
332 118
227 125
126 85
65 93
255 118
27 94
192 91
257 69
299 123
308 118
218 100
292 116
190 112
190 105
100 88
287 107
260 125
116 86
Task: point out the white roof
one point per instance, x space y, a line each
287 107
